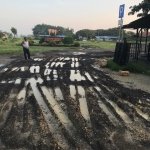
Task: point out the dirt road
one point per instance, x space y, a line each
61 100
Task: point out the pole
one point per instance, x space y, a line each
120 31
136 48
146 40
141 41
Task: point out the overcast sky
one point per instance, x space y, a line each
77 14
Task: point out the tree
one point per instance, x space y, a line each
129 34
1 34
89 34
107 32
144 6
43 30
14 31
68 40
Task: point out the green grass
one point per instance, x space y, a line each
10 47
99 44
131 67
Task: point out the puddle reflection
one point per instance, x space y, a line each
34 69
60 63
47 72
3 81
88 76
15 69
120 112
144 115
56 107
59 94
73 92
83 104
97 88
18 81
75 75
2 65
79 53
67 58
21 94
25 68
47 65
52 64
48 78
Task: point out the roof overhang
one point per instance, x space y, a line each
143 22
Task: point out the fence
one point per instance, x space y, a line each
125 52
134 52
148 55
121 56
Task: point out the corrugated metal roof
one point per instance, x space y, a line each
106 37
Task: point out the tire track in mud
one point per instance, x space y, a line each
65 103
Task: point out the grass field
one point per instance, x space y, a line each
10 46
100 44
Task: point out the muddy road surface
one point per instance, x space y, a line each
60 100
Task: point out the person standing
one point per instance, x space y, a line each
25 45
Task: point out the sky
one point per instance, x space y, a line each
24 15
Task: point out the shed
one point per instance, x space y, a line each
132 50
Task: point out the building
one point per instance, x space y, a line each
106 38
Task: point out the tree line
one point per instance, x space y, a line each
90 34
42 29
4 34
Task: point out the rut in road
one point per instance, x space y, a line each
66 103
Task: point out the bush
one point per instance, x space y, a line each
52 43
60 43
68 40
29 38
44 43
41 41
31 42
76 44
14 40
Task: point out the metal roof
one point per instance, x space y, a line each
61 36
143 22
107 37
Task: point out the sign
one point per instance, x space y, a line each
120 22
54 39
121 11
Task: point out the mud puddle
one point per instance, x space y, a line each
1 65
40 111
73 92
120 112
83 104
34 69
59 95
75 75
